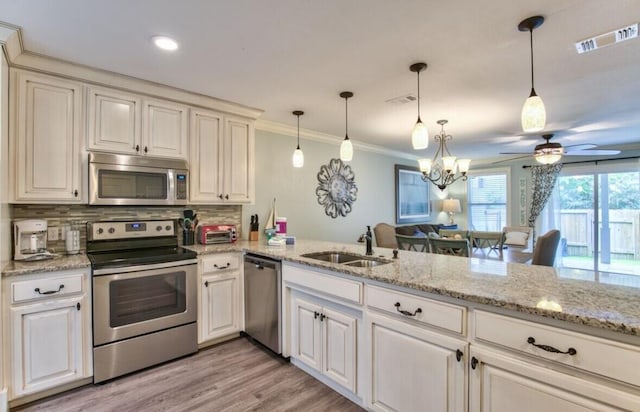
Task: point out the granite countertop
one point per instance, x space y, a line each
605 301
569 295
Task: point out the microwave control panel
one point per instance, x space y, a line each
181 186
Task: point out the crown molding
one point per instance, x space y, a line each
288 130
11 41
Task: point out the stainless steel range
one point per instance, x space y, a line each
144 296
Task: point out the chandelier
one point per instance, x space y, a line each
442 172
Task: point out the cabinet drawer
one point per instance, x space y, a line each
329 285
433 313
604 357
34 289
219 262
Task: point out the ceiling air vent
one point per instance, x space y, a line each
408 98
607 39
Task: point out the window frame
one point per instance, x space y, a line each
489 172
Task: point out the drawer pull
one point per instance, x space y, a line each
459 354
532 341
215 265
406 312
49 292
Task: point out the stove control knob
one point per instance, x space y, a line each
112 230
167 228
100 230
158 228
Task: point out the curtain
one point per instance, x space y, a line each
550 219
544 179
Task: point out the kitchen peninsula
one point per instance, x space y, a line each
469 329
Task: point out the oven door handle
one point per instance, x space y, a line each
127 269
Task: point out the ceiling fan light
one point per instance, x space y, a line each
346 150
420 136
298 158
548 156
534 115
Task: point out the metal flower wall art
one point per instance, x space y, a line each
336 189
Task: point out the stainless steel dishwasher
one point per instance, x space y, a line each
262 297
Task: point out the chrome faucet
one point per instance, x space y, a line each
368 239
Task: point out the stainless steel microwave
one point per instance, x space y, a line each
137 180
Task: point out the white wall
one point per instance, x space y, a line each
294 189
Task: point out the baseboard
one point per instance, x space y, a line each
4 406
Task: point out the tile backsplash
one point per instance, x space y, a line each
79 215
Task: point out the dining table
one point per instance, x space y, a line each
511 254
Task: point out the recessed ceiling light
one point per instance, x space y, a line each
165 43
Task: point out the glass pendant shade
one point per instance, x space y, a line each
420 136
463 165
534 115
425 165
346 150
298 158
449 163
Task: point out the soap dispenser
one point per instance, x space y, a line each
368 238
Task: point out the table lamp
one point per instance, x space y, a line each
451 206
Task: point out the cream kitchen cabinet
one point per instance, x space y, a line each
120 122
46 133
414 367
220 310
324 337
49 330
221 158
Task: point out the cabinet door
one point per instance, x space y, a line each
220 306
339 347
114 121
164 131
238 155
47 348
205 154
500 383
306 330
413 369
47 135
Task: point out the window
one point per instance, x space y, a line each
488 194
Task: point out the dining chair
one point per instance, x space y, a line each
455 247
415 243
481 240
385 235
544 253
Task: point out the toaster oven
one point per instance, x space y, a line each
210 234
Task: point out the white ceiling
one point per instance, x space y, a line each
283 55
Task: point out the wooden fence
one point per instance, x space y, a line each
576 227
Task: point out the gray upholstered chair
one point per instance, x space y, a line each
415 243
385 235
455 247
544 253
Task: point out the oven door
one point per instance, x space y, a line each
142 299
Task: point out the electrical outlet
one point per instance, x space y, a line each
52 233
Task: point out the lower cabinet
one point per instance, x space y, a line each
324 338
220 308
502 383
50 331
412 368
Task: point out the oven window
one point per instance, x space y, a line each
116 184
146 298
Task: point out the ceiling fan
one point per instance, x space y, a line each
551 152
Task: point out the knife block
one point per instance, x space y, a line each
253 235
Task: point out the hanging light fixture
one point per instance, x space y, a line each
346 148
298 156
420 134
534 116
442 172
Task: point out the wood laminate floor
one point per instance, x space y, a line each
232 376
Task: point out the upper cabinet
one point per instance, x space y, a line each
46 133
221 162
125 123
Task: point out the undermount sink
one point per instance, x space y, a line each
349 259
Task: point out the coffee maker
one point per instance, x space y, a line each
30 240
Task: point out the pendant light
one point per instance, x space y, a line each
298 156
534 116
346 148
420 134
